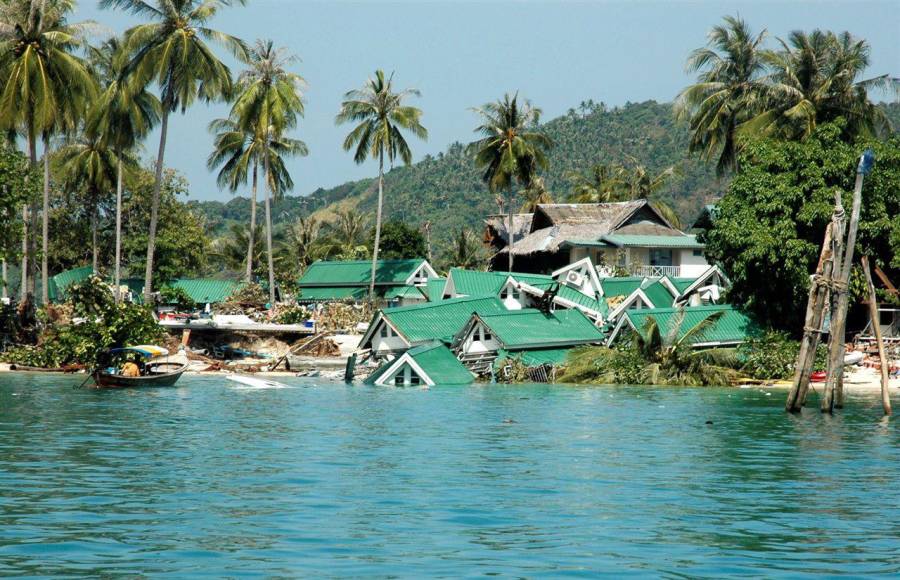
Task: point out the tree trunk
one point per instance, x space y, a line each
45 225
876 330
511 234
5 280
118 267
269 229
250 236
154 207
836 345
815 312
377 226
26 230
95 248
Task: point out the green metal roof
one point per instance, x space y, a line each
205 290
435 289
577 297
439 320
658 294
58 285
732 328
437 361
333 293
648 241
538 356
474 283
521 329
682 284
358 273
409 292
622 286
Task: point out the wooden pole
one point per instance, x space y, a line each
839 313
819 291
876 329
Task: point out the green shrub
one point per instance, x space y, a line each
774 355
292 315
177 297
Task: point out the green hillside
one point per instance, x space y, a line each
446 189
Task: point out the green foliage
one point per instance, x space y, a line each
98 324
178 297
292 315
770 225
19 182
774 355
400 241
181 242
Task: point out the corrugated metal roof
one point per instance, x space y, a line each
58 285
435 289
520 329
439 320
622 286
441 364
650 241
538 356
408 292
358 273
205 290
474 283
658 294
332 293
436 360
732 327
682 283
573 295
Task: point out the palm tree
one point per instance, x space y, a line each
602 182
171 51
380 116
121 117
303 238
815 79
45 87
729 91
535 194
511 149
269 102
467 251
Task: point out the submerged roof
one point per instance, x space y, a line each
538 356
521 329
359 272
439 320
733 326
435 361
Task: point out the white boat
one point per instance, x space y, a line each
255 382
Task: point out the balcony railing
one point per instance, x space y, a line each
654 271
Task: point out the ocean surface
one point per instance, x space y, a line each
327 480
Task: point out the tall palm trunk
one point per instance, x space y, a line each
45 224
95 250
118 280
377 225
251 237
509 230
269 229
154 208
5 279
32 158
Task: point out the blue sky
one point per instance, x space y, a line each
462 54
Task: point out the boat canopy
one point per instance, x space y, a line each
145 350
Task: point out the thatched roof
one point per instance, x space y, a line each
496 225
556 223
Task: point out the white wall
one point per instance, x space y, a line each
392 342
474 344
691 265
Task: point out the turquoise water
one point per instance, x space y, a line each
329 480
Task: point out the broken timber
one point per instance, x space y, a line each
819 293
876 328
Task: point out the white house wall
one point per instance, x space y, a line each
474 344
692 266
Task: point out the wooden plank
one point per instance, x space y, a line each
876 328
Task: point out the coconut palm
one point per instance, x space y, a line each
729 91
45 88
511 149
602 182
269 102
380 117
466 250
121 118
535 194
816 79
172 51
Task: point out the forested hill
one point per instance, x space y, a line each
447 189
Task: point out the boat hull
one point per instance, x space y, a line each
158 376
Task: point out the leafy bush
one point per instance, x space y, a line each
100 324
774 355
292 315
178 297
